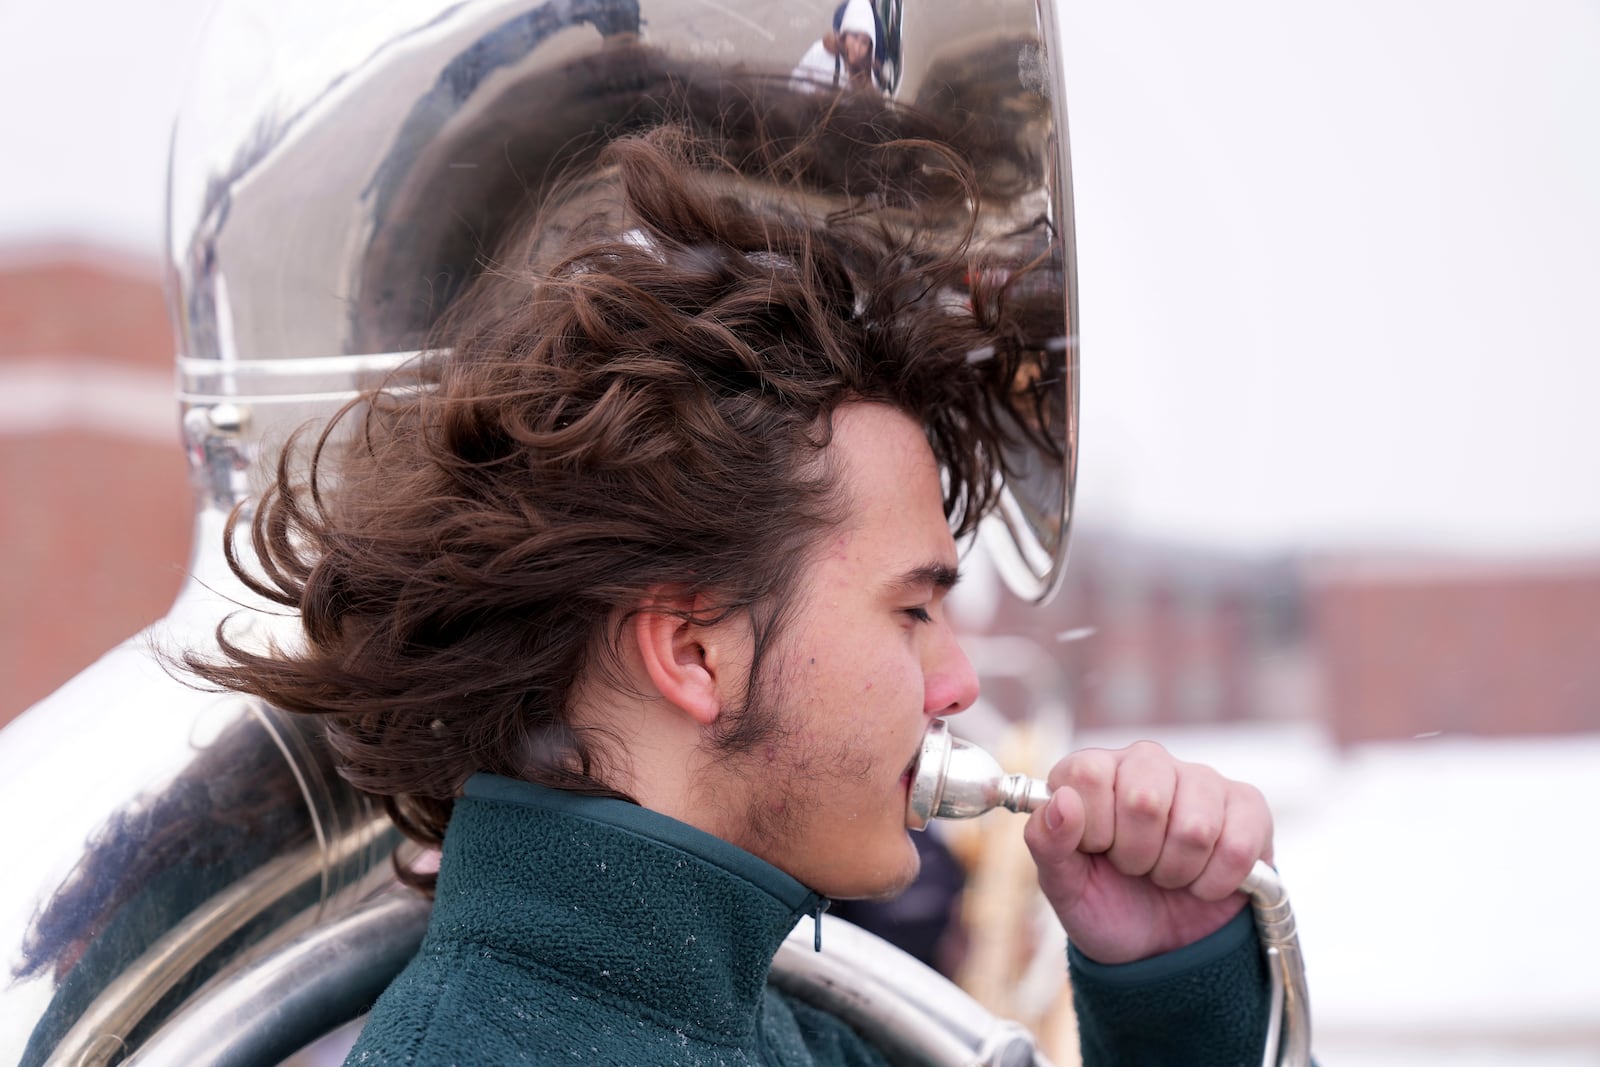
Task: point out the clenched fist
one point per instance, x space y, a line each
1141 853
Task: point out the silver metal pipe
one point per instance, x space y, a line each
270 1010
105 1026
277 1002
955 779
908 1010
1269 901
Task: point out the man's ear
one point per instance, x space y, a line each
685 661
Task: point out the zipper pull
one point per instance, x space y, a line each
816 918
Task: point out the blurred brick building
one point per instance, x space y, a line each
94 500
1155 635
1152 634
1413 647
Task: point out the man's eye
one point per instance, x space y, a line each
919 614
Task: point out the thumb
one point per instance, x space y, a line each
1053 834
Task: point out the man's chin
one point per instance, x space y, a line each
890 884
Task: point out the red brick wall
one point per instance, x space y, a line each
1487 649
95 510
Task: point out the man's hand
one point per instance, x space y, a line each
1140 853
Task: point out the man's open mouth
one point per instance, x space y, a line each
910 772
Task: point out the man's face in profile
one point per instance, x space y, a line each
865 662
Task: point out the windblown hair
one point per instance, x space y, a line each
637 395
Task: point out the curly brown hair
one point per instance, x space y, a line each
637 395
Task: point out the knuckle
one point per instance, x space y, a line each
1148 750
1195 834
1235 851
1206 775
1144 804
1247 798
1091 770
1247 795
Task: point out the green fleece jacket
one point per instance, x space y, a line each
569 929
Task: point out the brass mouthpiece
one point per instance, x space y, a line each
955 779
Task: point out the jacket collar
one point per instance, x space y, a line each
616 899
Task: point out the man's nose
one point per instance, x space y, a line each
951 684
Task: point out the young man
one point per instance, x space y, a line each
639 611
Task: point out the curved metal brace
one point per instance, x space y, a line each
1289 1027
275 1005
272 1007
911 1012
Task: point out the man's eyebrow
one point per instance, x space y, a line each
941 576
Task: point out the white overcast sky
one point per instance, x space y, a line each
1340 263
